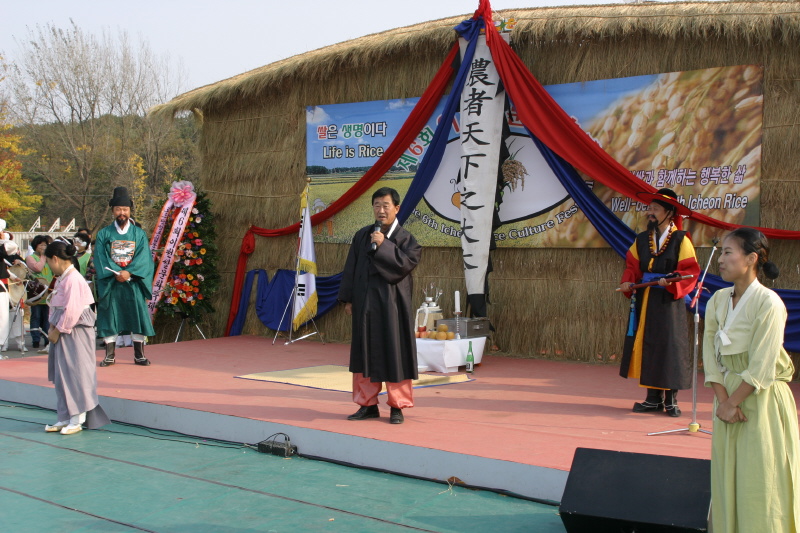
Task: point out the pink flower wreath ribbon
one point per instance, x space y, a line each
181 195
181 192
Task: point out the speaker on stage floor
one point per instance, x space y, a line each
624 492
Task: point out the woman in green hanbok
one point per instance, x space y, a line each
755 457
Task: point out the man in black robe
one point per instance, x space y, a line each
376 289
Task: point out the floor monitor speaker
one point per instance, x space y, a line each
624 492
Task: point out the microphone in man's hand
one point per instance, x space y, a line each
377 228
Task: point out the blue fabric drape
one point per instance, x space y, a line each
244 302
792 301
621 237
272 297
469 29
613 230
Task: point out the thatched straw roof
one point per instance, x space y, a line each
744 20
545 302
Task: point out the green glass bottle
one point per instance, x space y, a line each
470 360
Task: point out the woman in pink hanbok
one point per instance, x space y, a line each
72 362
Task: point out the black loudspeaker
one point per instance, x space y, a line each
623 492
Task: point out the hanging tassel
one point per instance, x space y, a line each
632 317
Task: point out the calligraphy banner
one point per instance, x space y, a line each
698 132
482 104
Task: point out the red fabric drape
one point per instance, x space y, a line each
546 120
411 128
536 109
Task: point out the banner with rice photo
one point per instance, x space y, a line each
698 132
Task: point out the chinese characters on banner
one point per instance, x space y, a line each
482 104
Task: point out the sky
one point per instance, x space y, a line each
215 40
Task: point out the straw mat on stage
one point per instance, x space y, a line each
339 378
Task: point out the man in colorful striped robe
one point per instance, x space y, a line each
657 351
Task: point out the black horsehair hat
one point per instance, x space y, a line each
121 198
667 198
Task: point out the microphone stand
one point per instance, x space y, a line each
694 426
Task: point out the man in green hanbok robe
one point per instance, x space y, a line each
124 278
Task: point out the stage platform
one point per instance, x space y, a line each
514 428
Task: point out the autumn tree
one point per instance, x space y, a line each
80 101
15 193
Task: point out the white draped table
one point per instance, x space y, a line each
447 356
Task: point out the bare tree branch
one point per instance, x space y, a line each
80 101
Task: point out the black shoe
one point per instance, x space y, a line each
138 354
36 344
671 403
396 417
366 411
110 354
647 407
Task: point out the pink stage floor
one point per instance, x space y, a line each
530 412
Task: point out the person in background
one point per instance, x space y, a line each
9 328
124 278
83 247
15 328
71 361
755 455
37 264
